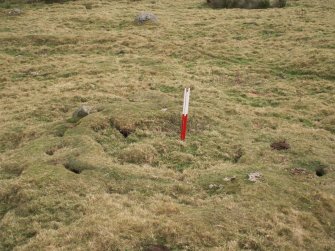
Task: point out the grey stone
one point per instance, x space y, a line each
215 186
82 111
15 12
255 176
145 17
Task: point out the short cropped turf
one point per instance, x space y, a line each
262 100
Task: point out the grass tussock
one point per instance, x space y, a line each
119 178
139 154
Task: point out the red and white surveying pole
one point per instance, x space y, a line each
187 92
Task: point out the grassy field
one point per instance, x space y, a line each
256 77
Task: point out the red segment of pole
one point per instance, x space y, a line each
183 127
185 113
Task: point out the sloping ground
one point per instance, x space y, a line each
119 178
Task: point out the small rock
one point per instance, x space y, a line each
215 186
254 176
15 12
82 111
34 73
145 17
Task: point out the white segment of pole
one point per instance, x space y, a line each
187 100
184 103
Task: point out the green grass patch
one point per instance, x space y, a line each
167 89
244 99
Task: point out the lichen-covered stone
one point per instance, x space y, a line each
145 17
82 111
256 176
15 12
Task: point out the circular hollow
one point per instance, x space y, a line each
320 171
50 152
72 169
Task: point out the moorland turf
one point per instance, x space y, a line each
262 100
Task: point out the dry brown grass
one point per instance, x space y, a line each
257 76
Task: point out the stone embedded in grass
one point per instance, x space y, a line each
214 186
280 145
145 17
82 111
246 4
256 176
15 12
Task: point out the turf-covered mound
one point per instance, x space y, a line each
247 4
